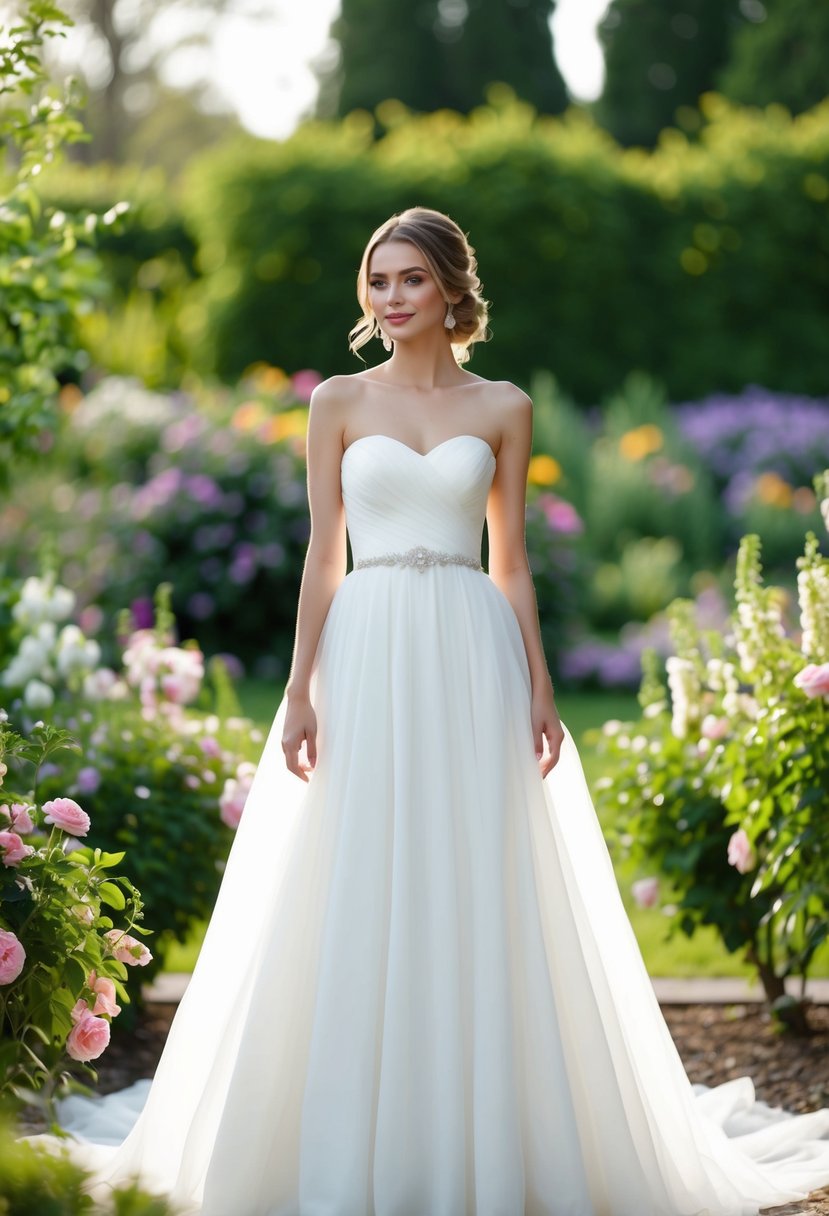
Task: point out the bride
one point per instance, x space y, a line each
419 993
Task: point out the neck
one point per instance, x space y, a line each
425 365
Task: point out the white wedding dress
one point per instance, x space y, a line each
419 993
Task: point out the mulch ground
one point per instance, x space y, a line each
717 1043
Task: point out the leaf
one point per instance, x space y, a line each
112 895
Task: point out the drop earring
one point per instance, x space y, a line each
449 320
386 341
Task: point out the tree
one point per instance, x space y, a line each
122 56
431 54
47 274
661 55
781 56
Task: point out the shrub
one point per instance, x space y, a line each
34 1182
62 959
725 782
161 781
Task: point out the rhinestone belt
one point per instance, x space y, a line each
419 557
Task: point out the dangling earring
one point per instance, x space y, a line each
449 320
386 341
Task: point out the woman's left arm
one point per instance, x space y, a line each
509 566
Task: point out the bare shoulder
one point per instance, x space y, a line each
514 408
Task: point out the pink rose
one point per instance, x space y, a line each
65 813
233 799
18 816
12 957
127 949
740 852
13 849
645 892
88 1038
104 990
814 680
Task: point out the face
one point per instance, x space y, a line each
400 283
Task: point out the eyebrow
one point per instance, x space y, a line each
408 270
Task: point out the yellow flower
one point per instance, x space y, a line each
771 489
248 416
642 441
287 425
543 471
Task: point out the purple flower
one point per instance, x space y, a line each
88 780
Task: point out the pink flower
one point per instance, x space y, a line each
740 852
210 745
304 382
127 949
105 994
814 680
13 848
12 957
65 813
561 515
645 892
713 727
233 799
88 1038
18 816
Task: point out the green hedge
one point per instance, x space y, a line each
704 263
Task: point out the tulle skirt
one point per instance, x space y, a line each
419 993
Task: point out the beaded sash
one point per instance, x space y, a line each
420 557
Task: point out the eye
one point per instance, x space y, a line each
414 278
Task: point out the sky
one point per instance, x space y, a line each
263 67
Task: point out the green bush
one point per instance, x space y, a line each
34 1182
725 783
161 781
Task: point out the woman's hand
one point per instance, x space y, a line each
546 722
300 726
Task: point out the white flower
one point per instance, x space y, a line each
40 600
37 695
76 652
98 684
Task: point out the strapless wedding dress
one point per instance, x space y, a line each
419 993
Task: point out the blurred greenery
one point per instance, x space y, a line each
444 60
704 263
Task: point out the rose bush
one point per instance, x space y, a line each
724 780
163 781
62 958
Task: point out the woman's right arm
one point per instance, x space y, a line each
324 569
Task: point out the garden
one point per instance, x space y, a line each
156 367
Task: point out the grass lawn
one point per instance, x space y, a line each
702 955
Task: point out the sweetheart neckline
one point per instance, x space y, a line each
414 451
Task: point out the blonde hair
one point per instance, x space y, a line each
451 260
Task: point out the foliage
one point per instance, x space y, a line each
447 60
62 960
781 57
48 275
710 260
161 781
658 59
36 1182
208 489
725 784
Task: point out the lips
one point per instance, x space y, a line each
398 316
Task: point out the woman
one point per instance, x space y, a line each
419 993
